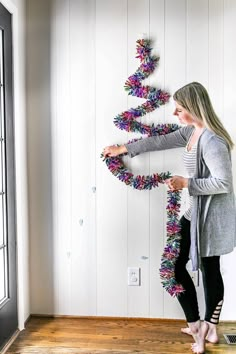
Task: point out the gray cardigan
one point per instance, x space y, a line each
213 218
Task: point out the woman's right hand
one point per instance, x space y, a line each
113 150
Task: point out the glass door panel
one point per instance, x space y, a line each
8 279
3 239
2 276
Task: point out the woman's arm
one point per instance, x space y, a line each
176 139
172 140
217 160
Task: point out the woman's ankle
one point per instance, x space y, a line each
211 326
194 326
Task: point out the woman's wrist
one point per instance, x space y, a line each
122 149
185 182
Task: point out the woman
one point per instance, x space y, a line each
208 227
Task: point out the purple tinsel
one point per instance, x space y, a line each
127 121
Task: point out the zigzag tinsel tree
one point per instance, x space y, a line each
127 121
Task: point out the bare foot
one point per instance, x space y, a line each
186 330
195 349
212 336
199 331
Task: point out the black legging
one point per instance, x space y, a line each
212 281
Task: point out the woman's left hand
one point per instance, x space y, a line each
176 183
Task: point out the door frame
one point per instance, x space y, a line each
19 109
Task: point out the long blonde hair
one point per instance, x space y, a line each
195 99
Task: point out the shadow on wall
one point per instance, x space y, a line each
39 148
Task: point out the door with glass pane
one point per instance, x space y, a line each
8 288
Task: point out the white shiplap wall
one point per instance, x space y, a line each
82 247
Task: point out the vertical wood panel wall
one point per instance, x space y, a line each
100 227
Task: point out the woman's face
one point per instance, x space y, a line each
183 115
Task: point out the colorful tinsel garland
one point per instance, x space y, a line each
127 121
154 97
172 248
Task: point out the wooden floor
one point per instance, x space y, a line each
116 336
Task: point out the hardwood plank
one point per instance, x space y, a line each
105 335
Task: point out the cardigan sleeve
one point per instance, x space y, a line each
172 140
218 162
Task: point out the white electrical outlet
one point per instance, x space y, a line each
133 276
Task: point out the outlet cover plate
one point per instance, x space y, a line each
134 276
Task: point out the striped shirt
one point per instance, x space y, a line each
189 158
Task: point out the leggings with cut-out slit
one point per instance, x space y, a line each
212 281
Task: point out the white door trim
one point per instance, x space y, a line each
21 174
